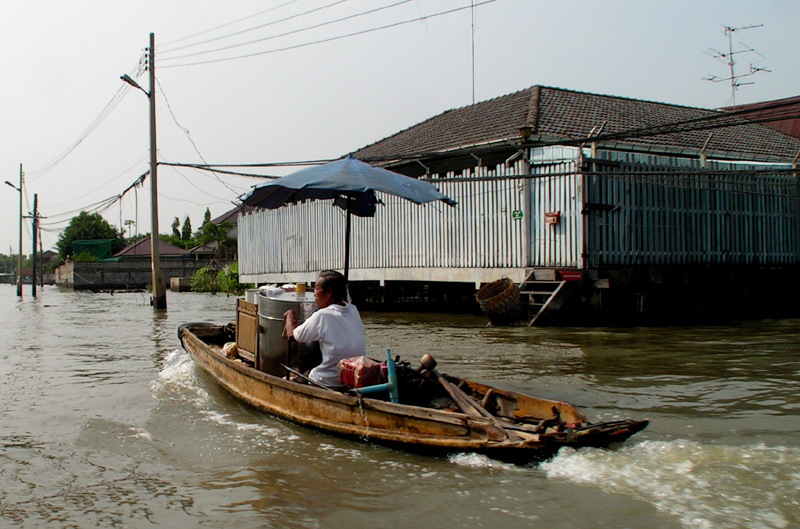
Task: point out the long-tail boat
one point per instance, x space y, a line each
431 413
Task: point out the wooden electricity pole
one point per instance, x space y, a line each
159 288
19 257
35 236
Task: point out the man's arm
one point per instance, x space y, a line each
289 324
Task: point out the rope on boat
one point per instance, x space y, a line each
364 437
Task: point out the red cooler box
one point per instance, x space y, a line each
360 372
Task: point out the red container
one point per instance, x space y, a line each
360 372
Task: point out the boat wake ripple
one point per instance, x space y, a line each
703 486
178 381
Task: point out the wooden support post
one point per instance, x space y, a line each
703 151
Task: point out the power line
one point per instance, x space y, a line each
227 24
186 131
95 189
212 168
298 15
293 32
769 113
110 106
331 39
190 182
101 205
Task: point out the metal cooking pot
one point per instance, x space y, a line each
273 348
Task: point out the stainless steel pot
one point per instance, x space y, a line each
273 348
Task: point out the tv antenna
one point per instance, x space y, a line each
730 61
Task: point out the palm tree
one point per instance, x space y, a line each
217 233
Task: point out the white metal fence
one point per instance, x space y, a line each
481 232
623 210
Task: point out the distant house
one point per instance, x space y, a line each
141 250
232 217
130 268
599 207
47 256
205 252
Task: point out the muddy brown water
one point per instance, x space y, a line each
107 423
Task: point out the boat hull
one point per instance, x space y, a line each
410 427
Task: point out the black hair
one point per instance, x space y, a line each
335 282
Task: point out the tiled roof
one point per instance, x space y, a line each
142 247
558 114
780 114
208 248
232 216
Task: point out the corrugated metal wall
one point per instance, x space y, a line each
620 209
480 232
670 214
556 189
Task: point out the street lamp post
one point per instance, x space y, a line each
157 278
19 257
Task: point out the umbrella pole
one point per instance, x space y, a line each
347 243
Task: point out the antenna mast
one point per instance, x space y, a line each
729 60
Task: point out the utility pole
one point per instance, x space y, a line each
19 257
35 236
157 277
159 289
41 261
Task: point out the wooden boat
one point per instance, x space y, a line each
435 413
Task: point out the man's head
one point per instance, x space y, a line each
330 283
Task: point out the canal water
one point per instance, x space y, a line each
107 423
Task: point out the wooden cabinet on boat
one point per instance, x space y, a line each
247 330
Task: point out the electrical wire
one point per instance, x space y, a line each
107 109
191 183
782 111
330 39
227 24
101 205
293 32
298 15
101 186
186 131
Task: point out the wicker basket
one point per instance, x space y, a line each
500 300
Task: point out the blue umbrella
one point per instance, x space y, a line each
351 183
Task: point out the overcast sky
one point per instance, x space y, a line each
309 93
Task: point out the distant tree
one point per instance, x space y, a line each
85 257
176 241
206 219
217 233
186 231
228 280
88 226
8 263
201 281
175 225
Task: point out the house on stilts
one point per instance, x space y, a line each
602 209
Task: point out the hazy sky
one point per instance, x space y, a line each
297 98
